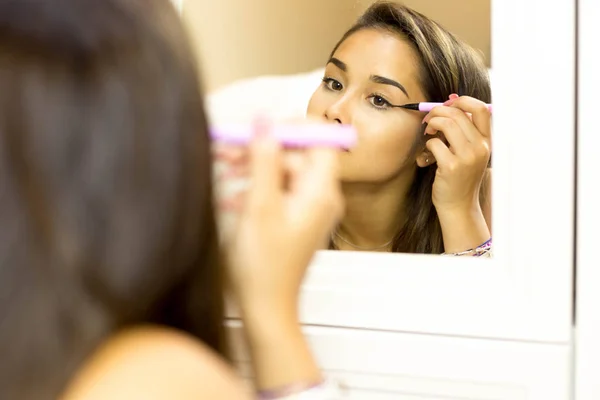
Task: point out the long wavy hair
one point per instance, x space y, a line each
447 65
106 210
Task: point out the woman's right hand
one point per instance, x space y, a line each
291 205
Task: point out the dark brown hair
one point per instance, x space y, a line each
106 211
447 65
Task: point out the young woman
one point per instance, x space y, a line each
111 282
415 182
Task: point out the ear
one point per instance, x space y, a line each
425 158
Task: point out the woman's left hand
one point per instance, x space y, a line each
462 160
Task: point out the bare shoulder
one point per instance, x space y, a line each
155 363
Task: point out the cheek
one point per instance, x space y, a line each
315 105
379 138
384 149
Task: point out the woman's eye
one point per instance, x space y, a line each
333 84
379 101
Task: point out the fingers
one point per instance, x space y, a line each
324 172
266 171
325 163
294 163
316 185
479 110
319 170
230 154
441 152
235 203
308 178
457 127
230 161
451 130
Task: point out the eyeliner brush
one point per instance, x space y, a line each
427 107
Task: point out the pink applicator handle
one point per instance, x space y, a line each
427 107
303 135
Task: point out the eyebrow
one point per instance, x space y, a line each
338 63
386 81
375 78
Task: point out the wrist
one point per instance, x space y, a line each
265 322
463 228
459 211
280 353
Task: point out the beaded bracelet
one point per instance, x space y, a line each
326 390
483 250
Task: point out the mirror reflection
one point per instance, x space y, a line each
417 182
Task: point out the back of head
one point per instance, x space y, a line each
447 65
105 196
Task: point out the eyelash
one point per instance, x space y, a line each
327 81
386 104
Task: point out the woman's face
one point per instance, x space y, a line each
369 71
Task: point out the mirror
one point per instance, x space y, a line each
454 302
256 48
270 58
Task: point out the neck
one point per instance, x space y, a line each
374 213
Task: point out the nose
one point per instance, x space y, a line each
338 111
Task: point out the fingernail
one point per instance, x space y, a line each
231 173
453 97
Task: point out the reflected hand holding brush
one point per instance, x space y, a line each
462 158
426 106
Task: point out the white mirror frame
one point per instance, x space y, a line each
530 277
